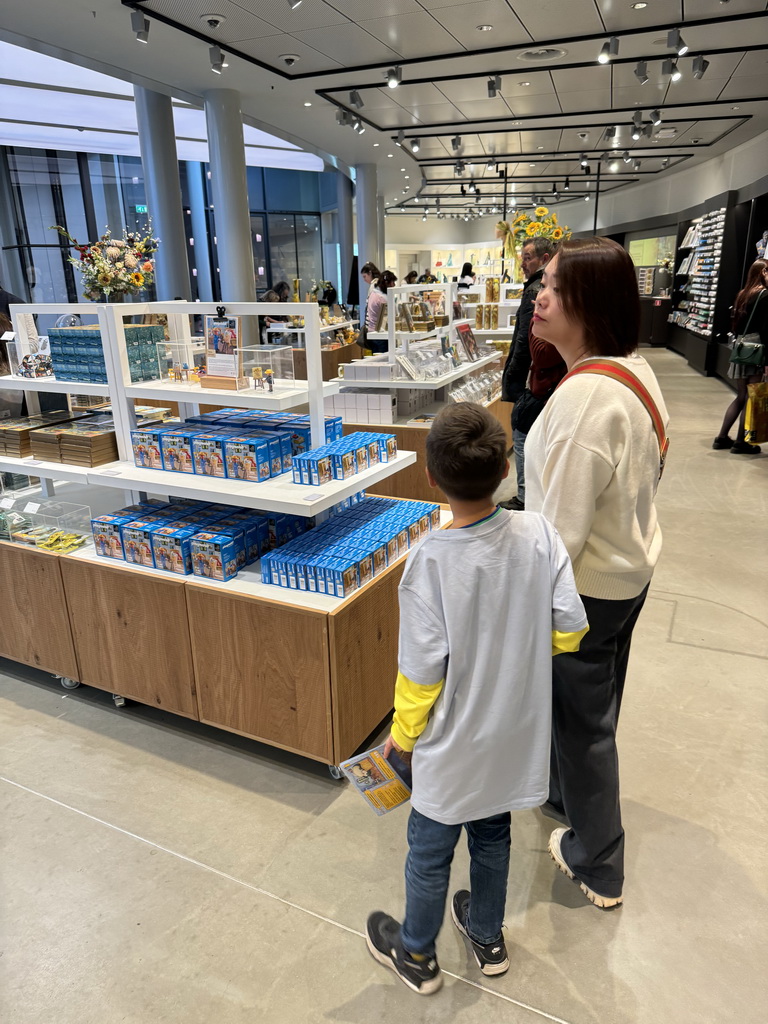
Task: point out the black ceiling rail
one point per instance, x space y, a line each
571 66
566 156
138 5
465 127
570 40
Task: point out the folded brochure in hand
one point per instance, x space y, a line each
377 780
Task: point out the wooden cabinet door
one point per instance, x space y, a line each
262 669
34 624
131 634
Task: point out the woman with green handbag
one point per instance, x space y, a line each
750 325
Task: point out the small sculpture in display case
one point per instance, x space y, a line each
258 377
270 378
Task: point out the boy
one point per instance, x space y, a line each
483 607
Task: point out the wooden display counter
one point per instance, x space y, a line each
411 482
304 672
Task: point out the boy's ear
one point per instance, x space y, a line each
505 474
431 480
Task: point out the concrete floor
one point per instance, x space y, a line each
154 870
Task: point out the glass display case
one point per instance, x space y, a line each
58 526
262 362
181 360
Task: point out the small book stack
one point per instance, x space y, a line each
15 433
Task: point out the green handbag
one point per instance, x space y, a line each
748 349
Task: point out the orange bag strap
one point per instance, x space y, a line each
617 371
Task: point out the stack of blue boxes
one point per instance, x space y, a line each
228 444
351 548
77 352
186 536
343 458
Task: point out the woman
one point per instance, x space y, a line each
467 279
411 277
750 316
370 274
592 467
376 300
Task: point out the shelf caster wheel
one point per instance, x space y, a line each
69 684
335 772
119 701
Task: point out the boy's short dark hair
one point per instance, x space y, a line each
467 451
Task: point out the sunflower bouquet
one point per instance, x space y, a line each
113 266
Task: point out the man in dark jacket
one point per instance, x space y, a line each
536 254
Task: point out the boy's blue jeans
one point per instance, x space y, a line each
427 874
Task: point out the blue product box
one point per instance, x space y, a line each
247 458
344 465
176 451
208 455
106 535
146 447
172 550
137 542
214 556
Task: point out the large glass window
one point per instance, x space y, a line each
259 243
282 247
309 250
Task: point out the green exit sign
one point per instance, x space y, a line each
141 209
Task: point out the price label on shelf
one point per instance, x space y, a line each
8 336
110 472
32 506
313 497
34 462
6 502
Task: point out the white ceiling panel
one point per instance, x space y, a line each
310 59
343 41
238 22
531 106
573 102
18 64
558 19
412 35
275 13
26 104
738 88
478 110
363 10
619 17
754 63
462 23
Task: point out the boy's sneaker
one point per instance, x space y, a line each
382 934
491 958
603 902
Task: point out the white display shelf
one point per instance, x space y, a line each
432 384
282 329
278 495
498 330
287 394
31 466
53 386
247 583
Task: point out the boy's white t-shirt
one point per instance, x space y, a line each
477 608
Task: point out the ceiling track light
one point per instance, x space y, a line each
394 77
665 162
494 86
400 138
585 168
700 65
456 142
415 145
636 165
586 198
610 132
293 4
140 25
218 60
356 100
676 42
609 49
637 119
655 116
567 185
641 72
583 160
462 191
669 67
626 157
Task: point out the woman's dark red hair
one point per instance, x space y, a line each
598 290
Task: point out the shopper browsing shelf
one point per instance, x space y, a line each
370 274
376 301
483 607
535 256
592 466
467 279
750 316
410 278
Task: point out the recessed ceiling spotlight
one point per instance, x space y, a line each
523 85
390 155
639 7
407 177
394 77
376 144
484 28
609 49
307 104
735 108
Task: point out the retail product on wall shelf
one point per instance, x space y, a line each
352 548
223 352
700 251
342 459
58 526
77 352
645 277
15 432
483 388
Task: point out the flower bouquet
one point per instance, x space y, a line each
113 266
539 223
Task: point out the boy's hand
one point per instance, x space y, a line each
405 755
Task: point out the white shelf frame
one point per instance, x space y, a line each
278 495
431 384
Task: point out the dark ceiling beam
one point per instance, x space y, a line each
571 66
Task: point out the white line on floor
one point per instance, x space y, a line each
264 892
